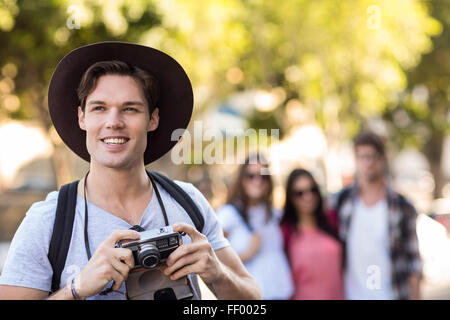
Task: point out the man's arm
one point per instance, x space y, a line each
21 293
107 264
221 270
237 282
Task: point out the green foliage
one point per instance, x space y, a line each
43 32
425 103
342 61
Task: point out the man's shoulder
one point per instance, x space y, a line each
197 197
187 187
45 208
38 221
336 199
401 201
211 228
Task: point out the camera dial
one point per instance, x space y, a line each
148 255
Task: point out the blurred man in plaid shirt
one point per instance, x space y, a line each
378 229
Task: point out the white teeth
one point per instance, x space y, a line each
115 140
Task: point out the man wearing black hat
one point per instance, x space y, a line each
128 100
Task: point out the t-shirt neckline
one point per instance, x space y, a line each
92 205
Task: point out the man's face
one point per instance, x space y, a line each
116 120
370 165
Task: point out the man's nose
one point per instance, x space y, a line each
114 120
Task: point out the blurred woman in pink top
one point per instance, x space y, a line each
314 253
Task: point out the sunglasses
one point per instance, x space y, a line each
252 176
301 193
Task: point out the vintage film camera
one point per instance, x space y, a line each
146 281
153 247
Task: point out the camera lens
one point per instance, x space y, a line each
148 255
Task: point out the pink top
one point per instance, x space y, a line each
316 265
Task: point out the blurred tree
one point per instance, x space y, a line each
333 63
36 34
345 61
421 119
337 64
209 38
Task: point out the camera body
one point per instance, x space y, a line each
153 247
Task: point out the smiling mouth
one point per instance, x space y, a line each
115 141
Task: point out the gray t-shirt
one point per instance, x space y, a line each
27 264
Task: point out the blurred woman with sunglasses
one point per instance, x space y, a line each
251 224
311 245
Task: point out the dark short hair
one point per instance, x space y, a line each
368 138
89 80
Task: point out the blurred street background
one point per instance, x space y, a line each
315 71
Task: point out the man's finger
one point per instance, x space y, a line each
120 267
192 268
125 256
183 261
121 235
190 230
118 280
181 251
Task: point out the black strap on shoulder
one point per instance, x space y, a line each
62 231
181 197
341 198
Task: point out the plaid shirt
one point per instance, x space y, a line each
404 248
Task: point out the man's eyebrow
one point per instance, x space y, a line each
126 103
96 102
133 103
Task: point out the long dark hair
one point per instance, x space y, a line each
237 195
290 217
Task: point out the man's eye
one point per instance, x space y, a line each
130 109
97 108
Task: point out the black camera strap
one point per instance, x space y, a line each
158 196
86 239
137 227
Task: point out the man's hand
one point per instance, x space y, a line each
108 263
197 257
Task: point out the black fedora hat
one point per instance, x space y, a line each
175 100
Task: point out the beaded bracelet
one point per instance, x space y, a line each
74 292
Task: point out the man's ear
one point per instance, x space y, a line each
81 119
154 120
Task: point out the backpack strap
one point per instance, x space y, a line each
341 198
62 231
181 197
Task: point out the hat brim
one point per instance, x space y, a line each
175 100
